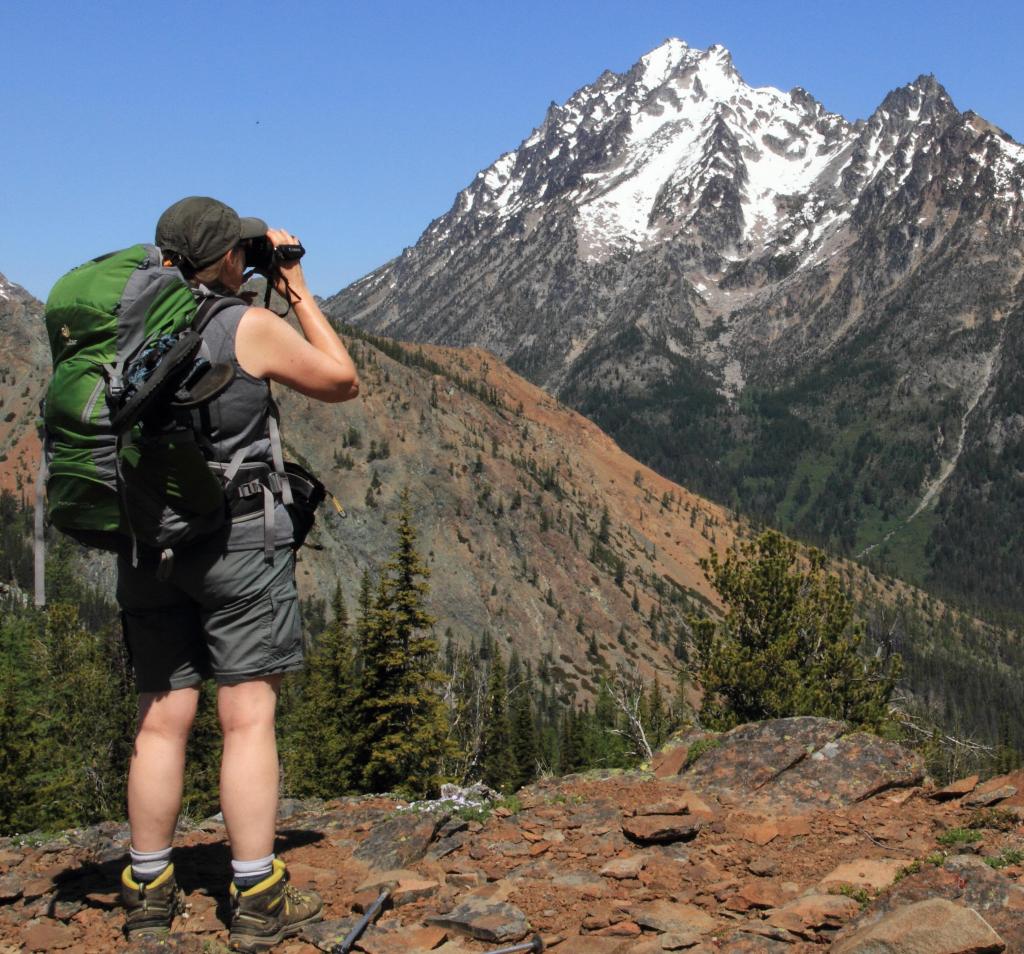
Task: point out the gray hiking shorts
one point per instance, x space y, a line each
227 615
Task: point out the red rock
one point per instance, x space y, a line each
935 926
621 929
793 827
989 795
408 891
669 762
426 938
307 876
363 900
671 917
763 833
872 873
377 881
624 868
683 803
661 829
809 914
539 848
47 935
36 887
765 894
590 944
201 915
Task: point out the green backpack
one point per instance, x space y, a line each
105 320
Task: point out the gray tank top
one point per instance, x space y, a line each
239 417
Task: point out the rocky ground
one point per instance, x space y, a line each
793 835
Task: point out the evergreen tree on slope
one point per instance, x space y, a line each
402 736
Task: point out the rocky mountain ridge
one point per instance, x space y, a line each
793 835
812 319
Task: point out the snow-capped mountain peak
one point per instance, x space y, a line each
662 147
680 147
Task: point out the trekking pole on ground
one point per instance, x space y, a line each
371 912
535 945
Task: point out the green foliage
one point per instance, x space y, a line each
1006 858
318 717
524 728
861 895
788 645
699 747
402 735
959 836
67 724
497 760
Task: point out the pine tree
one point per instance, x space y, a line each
317 748
524 727
788 645
403 732
497 764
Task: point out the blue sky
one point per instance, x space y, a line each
354 123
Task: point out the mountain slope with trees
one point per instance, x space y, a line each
813 321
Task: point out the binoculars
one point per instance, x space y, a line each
264 258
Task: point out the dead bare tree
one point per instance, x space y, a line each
628 692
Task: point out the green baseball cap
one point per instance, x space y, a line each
201 229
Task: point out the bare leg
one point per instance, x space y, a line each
157 772
248 770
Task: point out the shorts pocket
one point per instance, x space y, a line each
286 628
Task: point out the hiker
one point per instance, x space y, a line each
227 607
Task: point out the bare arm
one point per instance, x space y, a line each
315 363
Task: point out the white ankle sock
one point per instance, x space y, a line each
149 865
248 873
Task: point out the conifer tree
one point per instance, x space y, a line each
789 644
524 728
497 764
22 745
403 732
317 750
86 722
657 717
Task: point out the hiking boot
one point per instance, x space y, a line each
270 911
150 907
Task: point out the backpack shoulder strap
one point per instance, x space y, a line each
209 306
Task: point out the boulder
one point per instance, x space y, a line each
991 894
661 829
935 926
400 841
843 771
803 763
750 756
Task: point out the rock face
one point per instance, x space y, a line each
803 763
868 876
670 240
